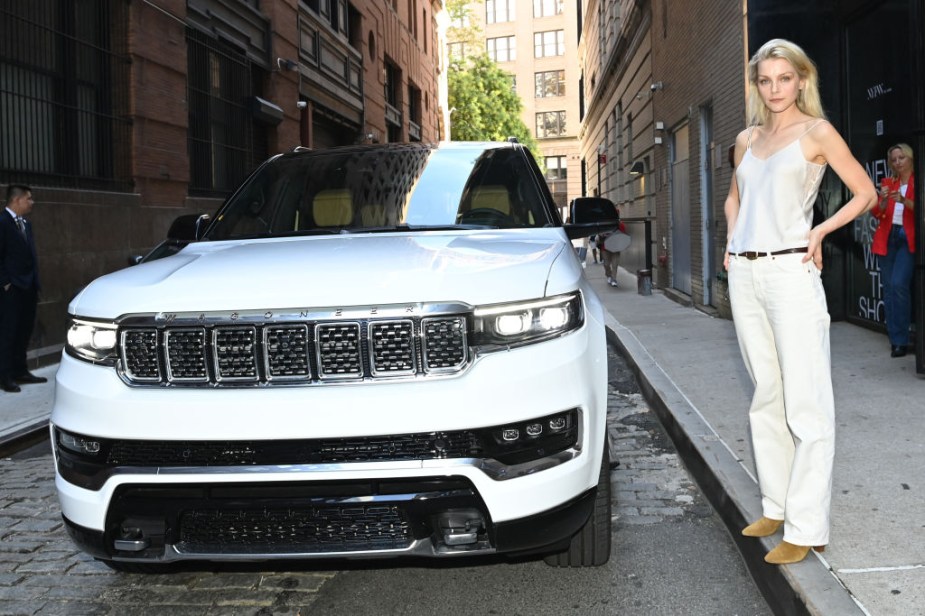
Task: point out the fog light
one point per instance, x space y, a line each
557 423
510 434
78 445
534 429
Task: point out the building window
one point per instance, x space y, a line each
414 113
64 94
551 43
225 144
550 83
413 18
547 8
424 28
550 124
556 168
501 49
392 83
456 51
499 11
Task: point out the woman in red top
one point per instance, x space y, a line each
894 242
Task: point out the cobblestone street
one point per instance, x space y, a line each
41 572
650 483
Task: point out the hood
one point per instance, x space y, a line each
475 267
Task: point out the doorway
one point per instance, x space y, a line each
680 210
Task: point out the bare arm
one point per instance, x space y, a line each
827 144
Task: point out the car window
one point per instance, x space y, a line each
357 189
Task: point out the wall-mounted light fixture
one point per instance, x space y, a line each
657 85
638 168
659 126
285 64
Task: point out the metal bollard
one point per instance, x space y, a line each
644 281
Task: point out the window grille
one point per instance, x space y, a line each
64 83
225 143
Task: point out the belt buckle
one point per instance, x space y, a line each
751 256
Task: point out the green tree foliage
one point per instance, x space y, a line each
484 105
463 27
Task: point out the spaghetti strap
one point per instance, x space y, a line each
748 144
815 124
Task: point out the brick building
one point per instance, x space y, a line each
122 115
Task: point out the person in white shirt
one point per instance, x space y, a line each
774 260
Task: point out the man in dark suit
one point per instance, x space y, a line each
19 288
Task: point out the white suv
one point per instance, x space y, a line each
370 351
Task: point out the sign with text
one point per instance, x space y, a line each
879 98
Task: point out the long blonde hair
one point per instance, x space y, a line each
808 100
906 149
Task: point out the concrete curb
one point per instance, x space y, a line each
808 587
26 436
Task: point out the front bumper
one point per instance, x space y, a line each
418 518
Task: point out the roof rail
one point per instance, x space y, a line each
512 140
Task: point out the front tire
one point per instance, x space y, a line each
590 547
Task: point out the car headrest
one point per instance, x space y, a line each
333 207
491 197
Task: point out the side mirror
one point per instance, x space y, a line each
189 227
591 215
585 210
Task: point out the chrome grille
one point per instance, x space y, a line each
186 355
338 349
287 352
444 343
392 347
139 355
235 351
307 352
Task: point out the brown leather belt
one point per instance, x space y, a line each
751 255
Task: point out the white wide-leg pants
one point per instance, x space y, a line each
782 323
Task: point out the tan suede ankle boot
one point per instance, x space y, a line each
788 553
765 527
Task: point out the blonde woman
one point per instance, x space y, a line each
894 243
774 260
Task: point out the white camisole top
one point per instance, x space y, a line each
776 197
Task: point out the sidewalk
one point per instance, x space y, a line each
689 367
22 413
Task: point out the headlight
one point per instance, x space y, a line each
92 341
526 322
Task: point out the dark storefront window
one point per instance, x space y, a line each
63 94
225 144
880 114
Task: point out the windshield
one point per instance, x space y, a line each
376 188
